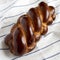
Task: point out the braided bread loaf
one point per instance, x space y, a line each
29 28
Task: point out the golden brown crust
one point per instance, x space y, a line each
29 27
44 29
52 12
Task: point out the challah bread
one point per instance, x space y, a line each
25 34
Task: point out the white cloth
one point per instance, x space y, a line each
48 48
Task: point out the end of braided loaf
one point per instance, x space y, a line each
29 27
